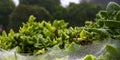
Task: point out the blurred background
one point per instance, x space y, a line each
14 12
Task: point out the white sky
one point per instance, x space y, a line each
16 2
64 2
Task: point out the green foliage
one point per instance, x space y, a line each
77 14
88 23
111 49
48 4
52 6
34 36
43 34
83 34
112 8
60 24
107 22
60 13
110 23
17 17
6 8
111 12
38 37
89 57
109 18
99 33
102 15
7 41
70 47
112 53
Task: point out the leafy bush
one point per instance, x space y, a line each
48 4
37 37
109 18
77 14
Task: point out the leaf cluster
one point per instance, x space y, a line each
37 37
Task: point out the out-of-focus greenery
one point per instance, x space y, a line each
75 14
22 13
6 8
89 57
48 4
102 2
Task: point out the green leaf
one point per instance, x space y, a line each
31 19
111 49
112 8
50 27
107 56
83 34
89 57
102 15
11 33
70 47
88 23
118 16
111 23
40 51
60 24
4 34
102 32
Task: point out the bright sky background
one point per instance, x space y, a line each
16 2
64 2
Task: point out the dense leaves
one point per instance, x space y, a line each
109 18
48 4
38 37
79 13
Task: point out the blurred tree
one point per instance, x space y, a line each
22 13
75 14
102 2
48 4
78 13
6 8
59 13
